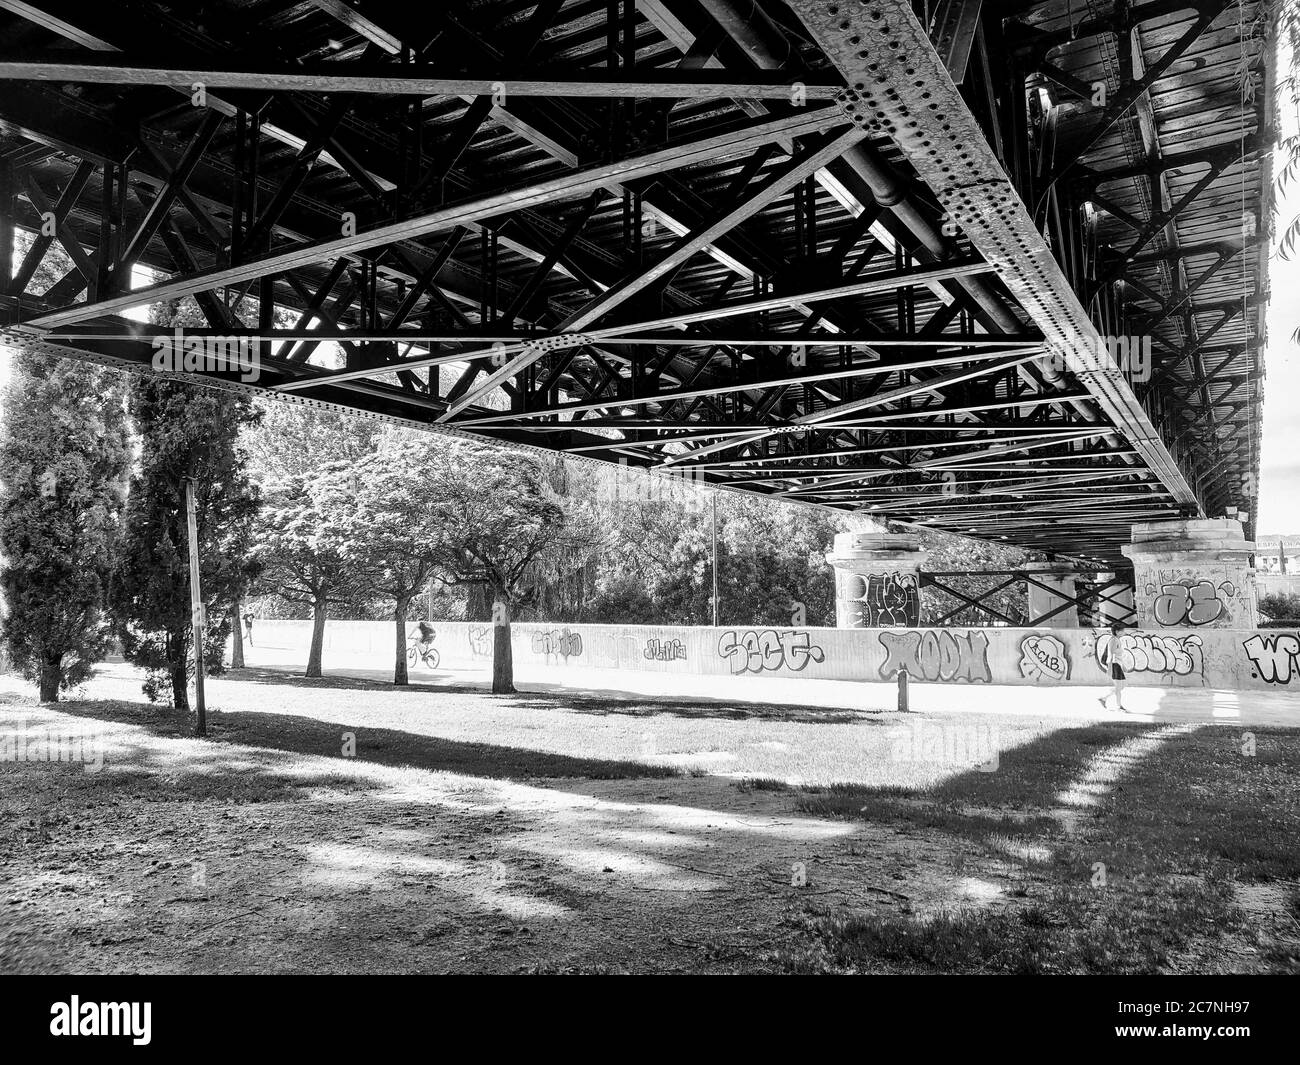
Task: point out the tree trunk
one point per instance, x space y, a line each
178 665
237 647
503 659
180 688
400 676
50 682
318 611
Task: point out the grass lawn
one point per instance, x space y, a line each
1175 851
343 826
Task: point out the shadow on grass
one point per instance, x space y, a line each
381 746
1140 869
579 700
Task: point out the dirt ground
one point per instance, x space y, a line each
266 849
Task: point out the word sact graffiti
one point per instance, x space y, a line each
768 651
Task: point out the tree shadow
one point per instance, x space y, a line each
582 700
396 748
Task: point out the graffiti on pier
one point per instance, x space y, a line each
665 650
885 599
1275 659
769 650
1139 652
558 642
480 641
936 654
1189 602
1044 658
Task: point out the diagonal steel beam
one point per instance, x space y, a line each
924 114
646 164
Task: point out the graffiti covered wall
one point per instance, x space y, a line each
1264 660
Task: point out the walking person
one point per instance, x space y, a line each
248 629
1116 673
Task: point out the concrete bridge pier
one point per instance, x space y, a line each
1118 608
1055 585
1193 574
876 581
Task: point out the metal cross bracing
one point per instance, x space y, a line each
860 255
971 597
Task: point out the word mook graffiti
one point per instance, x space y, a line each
936 654
887 599
1190 602
1139 652
769 650
1275 659
1043 658
665 650
559 642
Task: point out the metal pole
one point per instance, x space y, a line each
197 627
715 560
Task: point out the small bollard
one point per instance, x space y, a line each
902 691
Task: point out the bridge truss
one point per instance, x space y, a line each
883 257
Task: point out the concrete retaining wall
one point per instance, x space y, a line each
1211 658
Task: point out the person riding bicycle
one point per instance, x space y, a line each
426 634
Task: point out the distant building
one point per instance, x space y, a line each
1277 553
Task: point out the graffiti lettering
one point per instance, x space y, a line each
936 654
560 642
1275 659
886 599
665 650
1043 658
756 652
612 649
480 641
1190 603
1138 652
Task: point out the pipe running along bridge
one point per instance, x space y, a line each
992 267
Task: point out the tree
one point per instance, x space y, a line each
290 449
659 566
300 534
389 543
502 526
65 454
185 431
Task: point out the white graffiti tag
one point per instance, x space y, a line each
1138 652
1276 659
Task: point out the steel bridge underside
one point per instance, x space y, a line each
876 256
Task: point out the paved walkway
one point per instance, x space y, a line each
1144 704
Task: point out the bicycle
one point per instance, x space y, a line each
425 652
